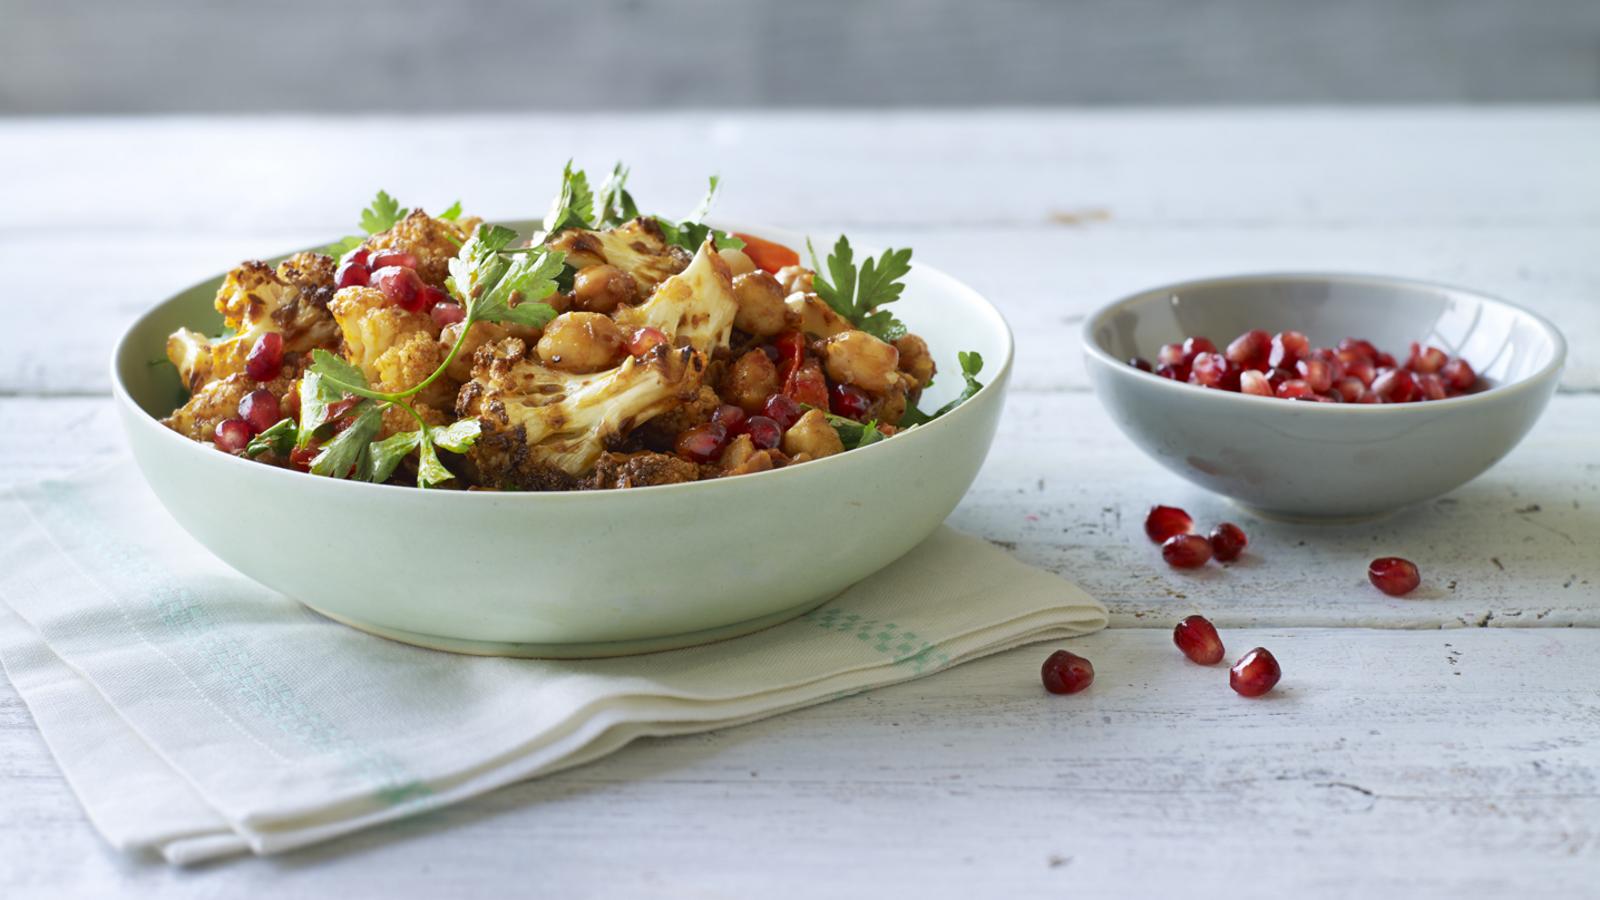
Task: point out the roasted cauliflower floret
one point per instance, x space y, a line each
626 470
812 437
197 419
816 316
536 419
434 242
254 300
695 307
190 351
637 248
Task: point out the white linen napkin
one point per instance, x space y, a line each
198 714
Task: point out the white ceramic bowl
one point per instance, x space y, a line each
1294 460
575 574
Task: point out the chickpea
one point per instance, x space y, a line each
580 342
761 309
601 289
915 359
795 279
738 263
812 436
751 381
816 317
858 358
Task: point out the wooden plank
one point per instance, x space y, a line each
1249 167
1066 491
1045 279
1415 764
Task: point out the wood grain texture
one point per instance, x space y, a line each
1416 764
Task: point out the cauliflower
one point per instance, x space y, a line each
217 400
636 247
696 306
394 348
434 242
537 421
254 299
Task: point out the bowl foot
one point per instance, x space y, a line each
1291 518
592 650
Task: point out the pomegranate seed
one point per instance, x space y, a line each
782 410
1287 348
1213 370
1253 382
1163 522
1350 389
446 314
1176 373
385 258
260 410
1295 389
1255 673
1426 361
1193 347
1278 375
1142 364
1396 386
1186 551
1171 355
1358 348
1383 360
849 401
1362 370
432 296
702 443
1198 640
1066 673
1317 373
1458 375
352 274
232 435
1227 542
1251 350
645 339
360 255
301 457
402 286
764 432
732 418
265 359
1432 387
1393 575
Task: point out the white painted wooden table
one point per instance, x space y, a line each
1447 744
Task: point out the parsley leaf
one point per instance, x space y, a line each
382 215
277 440
572 205
334 373
387 453
614 204
315 396
690 234
453 213
348 450
344 245
971 365
857 296
494 288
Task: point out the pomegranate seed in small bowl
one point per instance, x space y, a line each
1163 522
1186 551
1066 673
1255 673
1367 434
1198 640
1393 575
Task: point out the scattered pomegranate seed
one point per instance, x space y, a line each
260 410
731 417
385 258
446 314
1198 640
1255 673
1253 382
231 435
764 432
1228 541
782 410
352 274
1163 522
1066 673
1142 364
849 401
402 286
645 339
1393 575
1458 375
1186 551
702 443
1287 348
1251 350
265 359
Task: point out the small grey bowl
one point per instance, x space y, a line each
1292 460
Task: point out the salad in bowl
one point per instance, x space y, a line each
605 349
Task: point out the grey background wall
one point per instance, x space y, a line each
110 56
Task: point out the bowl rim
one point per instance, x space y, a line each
1558 359
136 416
